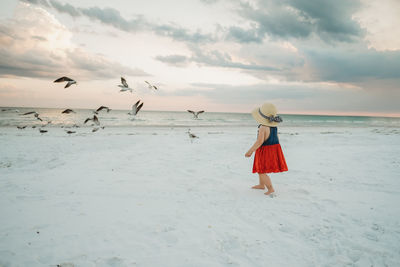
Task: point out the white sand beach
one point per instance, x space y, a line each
146 196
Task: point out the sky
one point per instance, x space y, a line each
334 57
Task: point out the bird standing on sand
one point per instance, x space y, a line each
191 135
195 114
67 111
135 108
66 79
10 109
101 108
94 119
124 86
96 129
150 86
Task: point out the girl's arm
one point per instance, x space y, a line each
263 134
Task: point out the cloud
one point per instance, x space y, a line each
349 65
40 38
209 2
296 46
327 97
174 60
212 58
35 44
250 93
245 35
66 8
223 59
112 17
330 20
380 20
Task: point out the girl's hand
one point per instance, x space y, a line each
248 154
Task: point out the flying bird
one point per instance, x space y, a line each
101 108
135 108
21 127
150 86
94 119
70 132
30 112
66 79
124 86
42 131
34 113
67 111
195 114
37 117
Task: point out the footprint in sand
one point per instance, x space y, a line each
377 228
5 164
301 192
371 236
169 238
330 202
285 229
113 262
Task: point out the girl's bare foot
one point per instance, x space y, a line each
270 190
259 186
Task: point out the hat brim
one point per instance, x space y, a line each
261 120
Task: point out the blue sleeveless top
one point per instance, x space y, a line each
272 138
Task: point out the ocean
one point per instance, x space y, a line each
120 118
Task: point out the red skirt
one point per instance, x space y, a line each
269 159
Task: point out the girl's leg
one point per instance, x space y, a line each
268 183
262 181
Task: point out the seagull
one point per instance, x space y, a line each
135 108
67 111
10 109
70 132
101 108
42 131
192 136
151 86
94 119
124 86
21 127
66 79
30 112
37 117
195 114
34 113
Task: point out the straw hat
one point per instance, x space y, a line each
266 115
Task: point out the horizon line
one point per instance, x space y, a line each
304 113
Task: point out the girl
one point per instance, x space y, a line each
269 156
